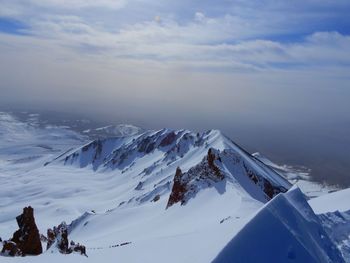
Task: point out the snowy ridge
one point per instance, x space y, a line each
298 235
228 167
155 155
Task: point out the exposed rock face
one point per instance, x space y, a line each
58 236
11 249
139 186
117 153
168 139
269 189
218 166
211 157
51 237
96 147
156 198
186 185
76 247
26 240
179 189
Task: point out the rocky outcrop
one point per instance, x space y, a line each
26 240
58 237
227 165
269 189
76 247
11 249
168 139
205 174
211 158
179 189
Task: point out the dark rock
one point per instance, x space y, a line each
76 247
211 157
269 189
205 174
168 139
10 248
51 237
27 238
124 244
179 189
139 186
59 236
156 198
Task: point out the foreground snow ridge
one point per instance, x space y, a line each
284 230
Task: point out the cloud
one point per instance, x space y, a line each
65 4
201 40
237 37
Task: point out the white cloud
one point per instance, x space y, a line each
198 16
227 41
69 4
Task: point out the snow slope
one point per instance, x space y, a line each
115 191
336 201
22 143
333 209
123 209
284 230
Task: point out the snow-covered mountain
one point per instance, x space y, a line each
159 196
120 130
153 157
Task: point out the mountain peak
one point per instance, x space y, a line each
218 166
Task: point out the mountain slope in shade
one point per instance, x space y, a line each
285 230
333 209
337 226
